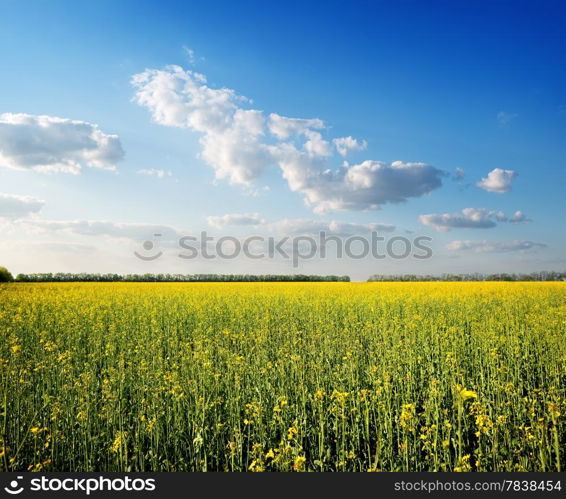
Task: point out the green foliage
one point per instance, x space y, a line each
533 276
5 275
66 277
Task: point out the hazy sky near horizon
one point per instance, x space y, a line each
120 120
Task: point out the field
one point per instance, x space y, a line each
283 377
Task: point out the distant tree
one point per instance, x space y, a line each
67 277
534 276
5 275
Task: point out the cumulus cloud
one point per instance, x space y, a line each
364 186
182 99
241 143
497 180
485 246
316 146
153 172
14 207
470 218
519 217
51 144
230 135
219 222
283 127
346 145
236 152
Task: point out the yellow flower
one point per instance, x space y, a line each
256 466
319 395
339 397
119 441
407 415
291 432
299 464
501 420
465 394
463 464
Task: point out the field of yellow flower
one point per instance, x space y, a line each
283 377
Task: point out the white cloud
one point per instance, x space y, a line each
57 247
314 227
240 144
191 55
316 146
237 153
183 99
291 226
283 127
347 228
485 246
459 174
133 231
14 207
153 172
519 217
219 222
364 186
504 117
497 180
231 136
345 145
50 144
470 218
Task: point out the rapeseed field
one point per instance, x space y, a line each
283 377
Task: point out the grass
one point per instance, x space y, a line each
283 377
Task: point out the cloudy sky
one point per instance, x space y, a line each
123 120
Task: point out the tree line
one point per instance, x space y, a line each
84 277
533 276
6 276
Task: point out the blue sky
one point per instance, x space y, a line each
478 86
